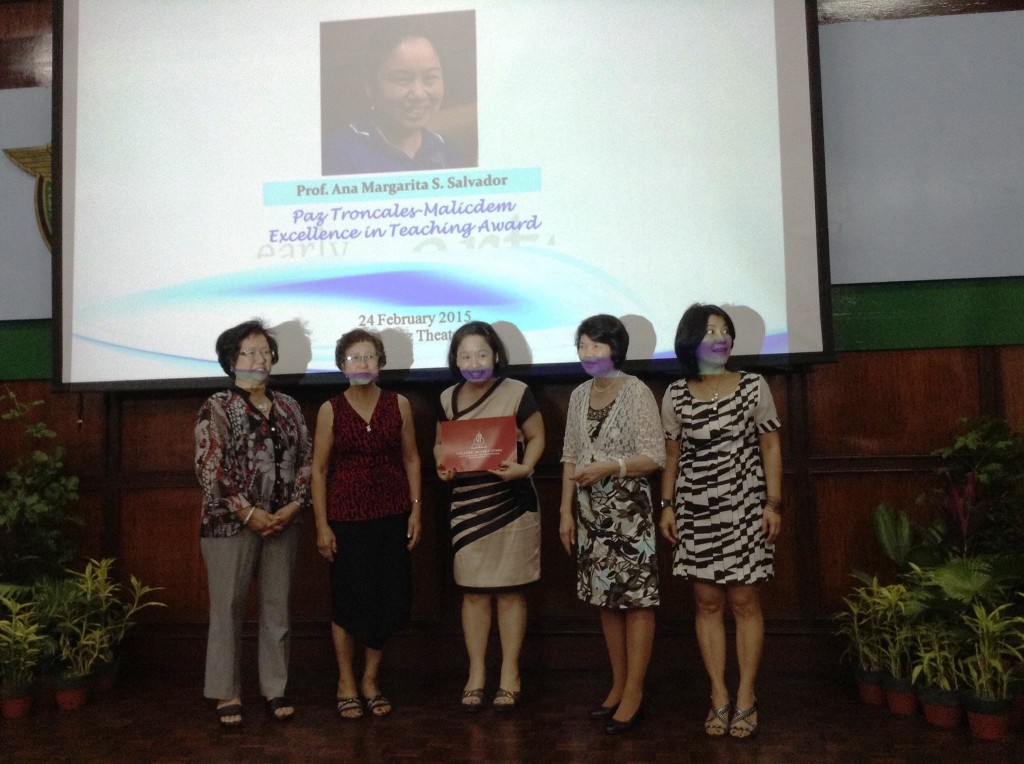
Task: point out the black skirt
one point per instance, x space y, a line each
371 591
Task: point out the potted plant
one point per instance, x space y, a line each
114 606
91 613
895 640
993 654
936 671
939 598
859 624
21 641
35 502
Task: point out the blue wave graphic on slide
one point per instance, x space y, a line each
542 293
406 287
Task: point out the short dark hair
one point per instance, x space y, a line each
380 45
230 341
482 329
690 333
348 339
607 330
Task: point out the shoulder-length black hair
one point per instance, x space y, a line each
348 339
607 330
230 340
690 333
485 330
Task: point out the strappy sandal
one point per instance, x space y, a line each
742 726
378 705
475 700
279 704
350 708
717 722
226 712
509 700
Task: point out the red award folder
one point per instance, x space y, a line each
477 445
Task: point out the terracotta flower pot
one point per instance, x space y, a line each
869 687
899 695
941 708
71 692
16 708
989 719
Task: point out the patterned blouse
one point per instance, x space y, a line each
244 459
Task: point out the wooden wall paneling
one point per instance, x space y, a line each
89 535
158 434
159 543
846 503
891 403
26 44
1011 370
23 18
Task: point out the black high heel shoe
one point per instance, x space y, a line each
615 727
603 712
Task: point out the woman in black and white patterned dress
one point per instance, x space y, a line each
724 472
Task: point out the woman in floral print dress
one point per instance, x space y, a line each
613 441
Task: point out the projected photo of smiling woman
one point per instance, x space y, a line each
391 101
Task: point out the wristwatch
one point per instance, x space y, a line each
666 503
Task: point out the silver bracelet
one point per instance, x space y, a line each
622 467
248 516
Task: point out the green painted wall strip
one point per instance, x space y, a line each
25 350
928 314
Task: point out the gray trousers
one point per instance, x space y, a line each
231 564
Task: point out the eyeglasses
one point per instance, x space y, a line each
250 353
368 358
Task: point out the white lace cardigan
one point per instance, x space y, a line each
633 427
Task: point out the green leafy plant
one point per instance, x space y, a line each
905 543
939 599
859 623
35 503
895 632
994 652
981 497
21 642
113 604
89 613
937 649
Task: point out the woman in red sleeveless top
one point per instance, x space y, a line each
366 498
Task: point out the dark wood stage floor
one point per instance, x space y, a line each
156 714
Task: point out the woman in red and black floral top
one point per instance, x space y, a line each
253 461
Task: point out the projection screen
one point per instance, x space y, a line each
593 156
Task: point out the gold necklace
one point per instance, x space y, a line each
607 387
